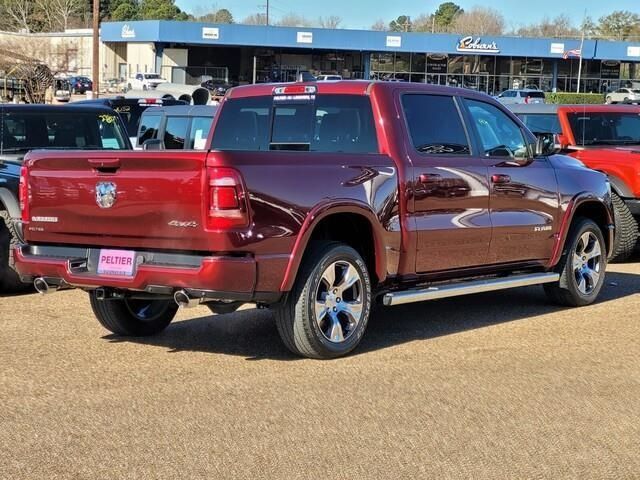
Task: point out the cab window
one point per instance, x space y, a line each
499 135
149 125
200 127
175 133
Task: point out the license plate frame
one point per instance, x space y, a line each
116 263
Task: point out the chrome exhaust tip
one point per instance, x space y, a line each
182 298
41 286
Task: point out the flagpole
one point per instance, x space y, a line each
581 49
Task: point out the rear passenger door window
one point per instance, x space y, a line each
175 133
200 127
149 125
435 125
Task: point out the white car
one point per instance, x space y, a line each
524 95
328 78
145 81
623 95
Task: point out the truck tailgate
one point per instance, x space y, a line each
127 199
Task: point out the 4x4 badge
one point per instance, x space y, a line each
106 194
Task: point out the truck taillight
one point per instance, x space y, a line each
23 193
227 199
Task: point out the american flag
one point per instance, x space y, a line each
572 53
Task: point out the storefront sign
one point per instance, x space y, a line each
469 44
610 69
305 37
633 51
437 63
557 48
394 41
127 32
210 33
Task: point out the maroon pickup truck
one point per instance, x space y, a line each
318 200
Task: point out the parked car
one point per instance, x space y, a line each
623 95
509 97
30 127
130 109
605 138
61 89
176 128
328 78
115 85
145 81
80 85
217 89
318 199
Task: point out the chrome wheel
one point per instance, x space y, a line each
587 263
339 301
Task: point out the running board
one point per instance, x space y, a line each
467 288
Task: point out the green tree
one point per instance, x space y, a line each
160 10
619 25
124 10
401 24
446 14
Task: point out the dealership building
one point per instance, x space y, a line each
188 52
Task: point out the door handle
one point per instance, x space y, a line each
499 178
104 163
429 177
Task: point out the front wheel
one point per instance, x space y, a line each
133 318
626 235
326 313
582 266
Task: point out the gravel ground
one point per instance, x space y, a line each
489 386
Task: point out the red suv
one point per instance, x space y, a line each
605 138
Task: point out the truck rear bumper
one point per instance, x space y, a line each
220 277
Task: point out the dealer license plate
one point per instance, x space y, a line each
117 262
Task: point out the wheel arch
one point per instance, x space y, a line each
587 206
9 202
354 216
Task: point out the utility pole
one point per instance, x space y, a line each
267 13
581 50
96 48
266 7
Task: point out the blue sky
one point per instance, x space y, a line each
363 13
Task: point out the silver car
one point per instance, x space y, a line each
623 95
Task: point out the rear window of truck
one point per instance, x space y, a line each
65 130
331 123
605 128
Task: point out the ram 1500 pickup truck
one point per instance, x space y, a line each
605 138
317 199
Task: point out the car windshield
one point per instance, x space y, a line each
541 123
151 76
606 128
24 131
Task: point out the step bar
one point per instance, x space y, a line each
467 288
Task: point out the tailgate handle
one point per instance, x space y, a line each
105 164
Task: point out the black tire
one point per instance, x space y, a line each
297 319
127 317
567 291
626 236
9 279
222 308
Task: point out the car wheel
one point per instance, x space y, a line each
9 278
626 236
134 318
582 266
326 313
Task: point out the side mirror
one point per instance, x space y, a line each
153 144
547 144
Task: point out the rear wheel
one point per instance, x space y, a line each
326 313
134 318
9 278
626 236
582 266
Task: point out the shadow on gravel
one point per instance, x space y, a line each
253 334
